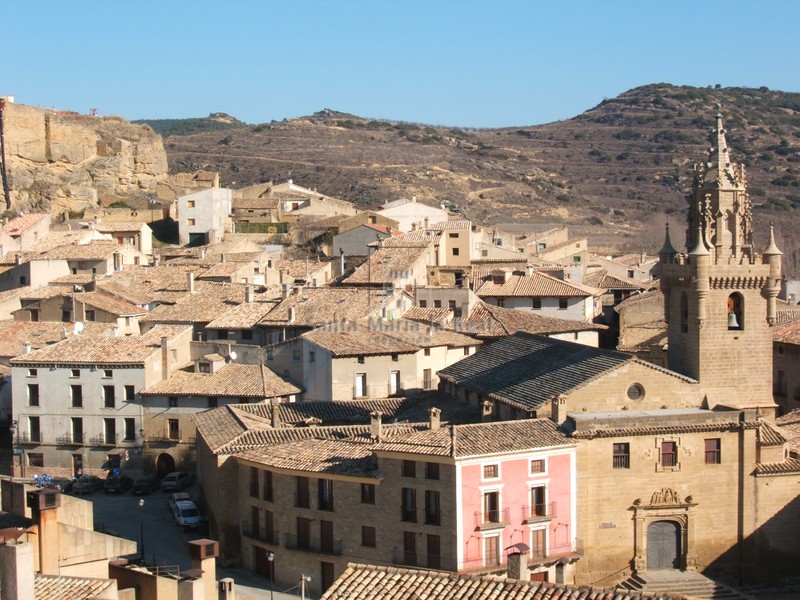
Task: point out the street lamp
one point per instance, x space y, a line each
271 559
304 579
141 526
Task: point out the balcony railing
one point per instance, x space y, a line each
257 533
622 461
104 440
488 519
166 437
70 439
333 547
535 556
29 438
537 512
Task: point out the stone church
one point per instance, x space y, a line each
678 468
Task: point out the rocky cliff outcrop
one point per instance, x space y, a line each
61 162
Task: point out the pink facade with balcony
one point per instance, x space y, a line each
520 498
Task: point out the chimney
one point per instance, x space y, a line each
202 252
506 275
204 553
528 270
435 416
190 282
284 290
18 259
26 347
376 425
426 222
291 314
642 258
487 408
16 571
414 198
44 509
248 294
276 415
465 281
164 357
297 290
517 566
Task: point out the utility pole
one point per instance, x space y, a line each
303 580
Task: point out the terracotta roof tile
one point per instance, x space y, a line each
386 262
40 334
61 587
537 285
316 306
373 582
247 314
232 380
602 280
326 456
209 300
20 224
116 226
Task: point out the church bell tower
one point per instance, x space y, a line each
720 296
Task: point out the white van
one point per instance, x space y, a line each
186 514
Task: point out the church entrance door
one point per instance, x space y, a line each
663 545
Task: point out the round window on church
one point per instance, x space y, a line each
635 392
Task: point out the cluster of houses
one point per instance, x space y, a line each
406 388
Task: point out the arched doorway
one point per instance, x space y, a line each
165 464
663 545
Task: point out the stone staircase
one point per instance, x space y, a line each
686 583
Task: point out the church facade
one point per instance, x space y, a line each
679 468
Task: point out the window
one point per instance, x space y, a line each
32 372
536 303
23 280
538 543
108 373
367 493
780 383
35 459
431 470
76 396
538 506
635 392
213 402
491 471
713 454
34 429
253 482
455 251
204 367
108 396
130 393
452 235
326 536
33 394
75 373
302 495
437 304
361 384
222 334
410 548
270 355
255 521
395 357
247 334
130 428
297 355
267 491
361 360
173 429
172 401
491 550
303 533
423 304
491 507
501 302
269 525
562 304
89 315
66 316
434 544
426 352
367 536
77 430
433 515
409 505
409 468
669 454
191 222
622 456
325 494
537 466
311 356
466 350
110 431
190 203
684 313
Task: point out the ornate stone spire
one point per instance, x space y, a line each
720 172
667 249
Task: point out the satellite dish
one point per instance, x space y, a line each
232 355
78 328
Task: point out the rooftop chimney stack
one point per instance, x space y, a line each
435 416
190 282
376 425
517 566
248 294
487 408
16 571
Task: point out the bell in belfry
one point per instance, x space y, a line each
733 322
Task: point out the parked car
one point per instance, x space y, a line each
62 484
186 514
175 482
117 484
87 484
177 497
145 485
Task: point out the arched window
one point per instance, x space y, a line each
735 311
684 313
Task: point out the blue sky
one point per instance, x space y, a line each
462 63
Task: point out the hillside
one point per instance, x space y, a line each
615 172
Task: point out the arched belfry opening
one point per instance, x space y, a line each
735 312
